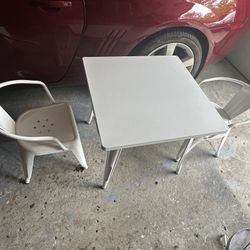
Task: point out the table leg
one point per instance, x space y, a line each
90 117
111 162
185 150
180 153
222 143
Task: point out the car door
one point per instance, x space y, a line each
39 38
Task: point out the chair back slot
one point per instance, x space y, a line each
239 103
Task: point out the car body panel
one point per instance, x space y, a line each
150 17
118 27
37 39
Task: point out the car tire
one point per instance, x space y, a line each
181 43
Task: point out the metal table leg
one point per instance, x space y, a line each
111 162
91 115
184 151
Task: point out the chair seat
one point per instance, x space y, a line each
224 116
222 113
55 120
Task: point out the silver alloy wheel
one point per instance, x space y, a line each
181 50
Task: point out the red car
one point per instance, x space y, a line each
46 39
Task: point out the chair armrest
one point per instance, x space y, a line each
34 138
34 82
225 79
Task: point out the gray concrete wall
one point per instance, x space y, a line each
240 56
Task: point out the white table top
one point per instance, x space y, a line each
147 100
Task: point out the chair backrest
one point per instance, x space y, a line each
6 122
239 103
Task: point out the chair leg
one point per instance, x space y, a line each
223 140
79 154
28 161
90 117
185 150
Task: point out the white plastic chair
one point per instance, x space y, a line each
42 131
239 103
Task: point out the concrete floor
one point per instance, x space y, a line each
146 206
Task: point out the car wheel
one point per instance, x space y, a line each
183 44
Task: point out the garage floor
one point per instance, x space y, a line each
146 206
